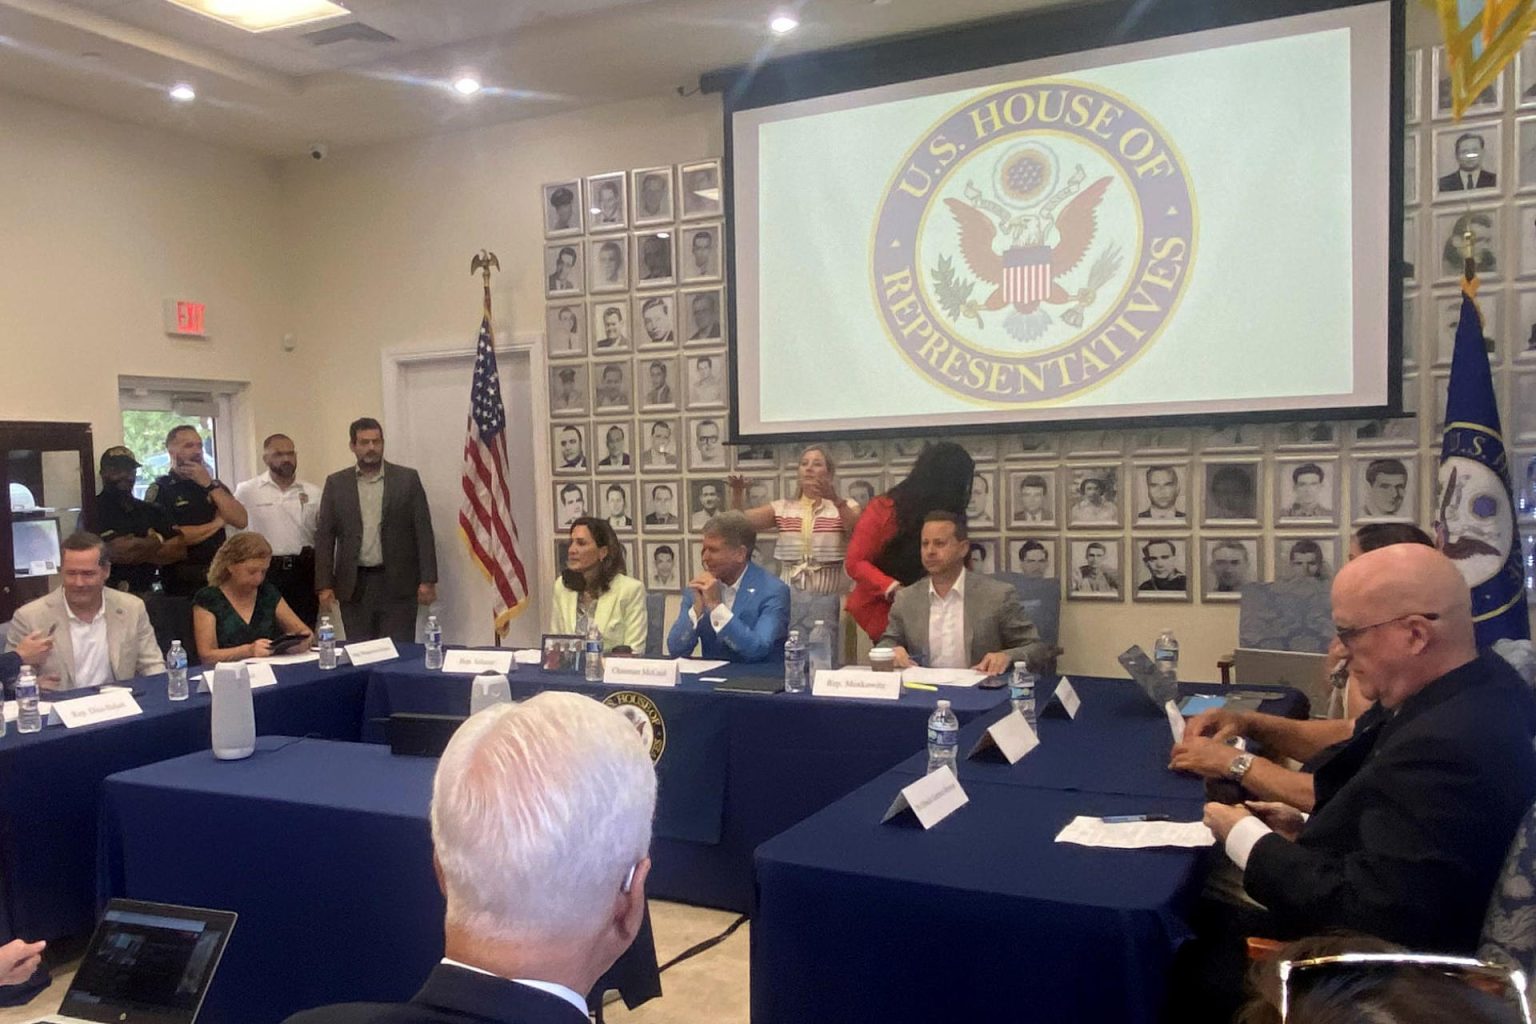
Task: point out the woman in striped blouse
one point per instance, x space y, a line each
812 537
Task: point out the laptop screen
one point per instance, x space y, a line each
148 963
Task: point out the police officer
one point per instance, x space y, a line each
200 505
141 538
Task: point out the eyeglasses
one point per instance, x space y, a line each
1494 979
1348 633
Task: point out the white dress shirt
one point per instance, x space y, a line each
552 987
1244 836
946 626
721 616
93 658
285 518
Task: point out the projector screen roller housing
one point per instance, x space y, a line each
1196 226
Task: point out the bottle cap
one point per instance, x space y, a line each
943 705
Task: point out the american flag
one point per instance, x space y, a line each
485 517
1026 273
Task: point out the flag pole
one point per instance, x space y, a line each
482 263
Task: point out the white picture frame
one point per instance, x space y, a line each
653 194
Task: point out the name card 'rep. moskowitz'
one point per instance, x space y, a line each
854 682
474 662
640 671
931 798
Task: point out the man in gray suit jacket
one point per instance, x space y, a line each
98 635
957 619
374 549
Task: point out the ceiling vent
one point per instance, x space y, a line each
352 32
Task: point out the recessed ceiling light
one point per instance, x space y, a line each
181 92
467 86
783 24
264 15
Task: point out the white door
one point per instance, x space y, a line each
427 433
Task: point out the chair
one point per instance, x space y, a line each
655 622
1041 599
1287 615
1509 927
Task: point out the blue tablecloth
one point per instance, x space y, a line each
50 785
738 767
323 849
986 917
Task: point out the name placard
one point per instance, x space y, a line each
1175 721
855 682
1010 736
931 798
367 652
640 671
99 707
1064 702
261 674
475 662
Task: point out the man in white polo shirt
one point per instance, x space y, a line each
283 509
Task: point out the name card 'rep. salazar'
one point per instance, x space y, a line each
640 671
474 662
854 682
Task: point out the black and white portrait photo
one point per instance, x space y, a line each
1525 231
755 456
610 327
1307 434
656 316
568 448
618 505
706 381
1093 570
1235 437
664 570
606 206
705 450
701 256
1450 319
1467 159
1525 153
607 266
1231 491
1034 557
1306 558
659 387
981 510
562 209
1095 496
565 330
1410 168
660 441
1410 248
906 449
1384 489
1413 77
1307 490
654 265
1030 445
568 390
1525 75
1161 493
652 189
861 489
701 310
1451 229
1523 348
1394 433
1489 101
1032 497
1410 330
616 455
982 450
1162 440
859 452
982 556
700 189
1095 442
1524 407
1230 564
706 499
759 491
562 270
611 390
661 505
570 503
1162 568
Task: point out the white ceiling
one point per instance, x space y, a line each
276 93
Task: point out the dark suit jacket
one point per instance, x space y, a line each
1413 817
1453 182
994 621
453 995
405 533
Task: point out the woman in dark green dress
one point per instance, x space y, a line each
239 614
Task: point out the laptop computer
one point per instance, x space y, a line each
1255 666
147 963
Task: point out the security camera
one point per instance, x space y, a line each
318 150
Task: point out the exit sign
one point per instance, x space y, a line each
186 318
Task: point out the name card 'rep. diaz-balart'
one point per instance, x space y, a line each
640 671
98 707
1010 736
367 652
931 798
474 662
857 682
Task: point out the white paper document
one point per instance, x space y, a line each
697 666
531 656
942 676
293 659
12 711
1135 835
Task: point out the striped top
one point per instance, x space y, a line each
810 546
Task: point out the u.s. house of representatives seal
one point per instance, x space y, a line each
644 716
1033 243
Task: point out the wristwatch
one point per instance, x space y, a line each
1238 769
215 485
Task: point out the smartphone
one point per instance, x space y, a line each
287 642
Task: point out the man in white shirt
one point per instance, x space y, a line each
952 618
283 509
535 916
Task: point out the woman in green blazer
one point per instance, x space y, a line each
594 586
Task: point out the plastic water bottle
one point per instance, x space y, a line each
1021 692
592 654
176 672
327 642
434 643
819 647
943 738
27 719
795 664
1166 653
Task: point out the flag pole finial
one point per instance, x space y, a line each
483 263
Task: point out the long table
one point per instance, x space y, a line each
737 768
324 850
985 917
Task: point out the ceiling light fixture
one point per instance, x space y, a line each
181 92
783 24
264 15
467 86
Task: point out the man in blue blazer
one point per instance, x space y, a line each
734 609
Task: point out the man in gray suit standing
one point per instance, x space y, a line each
957 619
373 542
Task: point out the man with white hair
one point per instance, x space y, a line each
541 830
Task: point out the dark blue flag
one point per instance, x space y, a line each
1475 522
